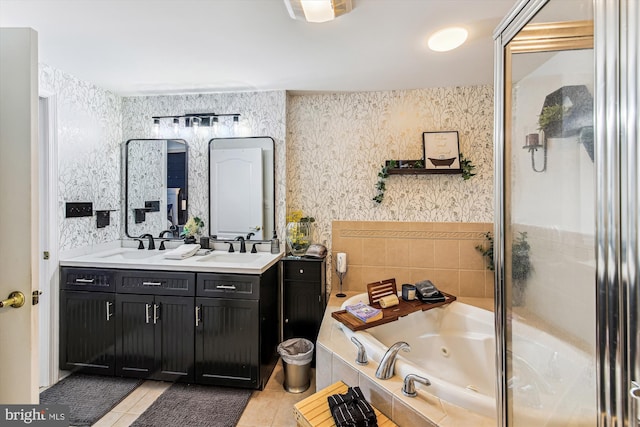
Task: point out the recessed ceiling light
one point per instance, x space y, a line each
447 39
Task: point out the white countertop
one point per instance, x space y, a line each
217 261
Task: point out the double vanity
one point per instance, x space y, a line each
208 319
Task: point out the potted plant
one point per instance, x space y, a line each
550 120
521 266
192 229
299 232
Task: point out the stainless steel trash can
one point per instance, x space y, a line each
297 354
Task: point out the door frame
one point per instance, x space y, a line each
48 340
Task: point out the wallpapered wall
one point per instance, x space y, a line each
337 143
147 182
89 134
262 114
335 146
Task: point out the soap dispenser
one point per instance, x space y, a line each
275 244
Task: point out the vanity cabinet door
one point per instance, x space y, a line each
87 332
135 335
155 337
175 327
227 342
304 297
303 310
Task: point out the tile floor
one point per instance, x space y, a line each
271 407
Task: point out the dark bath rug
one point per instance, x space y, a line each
193 405
89 397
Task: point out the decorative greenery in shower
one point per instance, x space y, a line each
521 266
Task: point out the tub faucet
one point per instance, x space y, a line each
409 387
361 359
151 246
388 362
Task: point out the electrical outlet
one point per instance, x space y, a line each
74 210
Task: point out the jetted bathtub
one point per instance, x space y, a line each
454 347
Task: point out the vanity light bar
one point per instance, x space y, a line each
197 119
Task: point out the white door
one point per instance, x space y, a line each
236 192
18 213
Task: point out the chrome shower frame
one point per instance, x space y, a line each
617 157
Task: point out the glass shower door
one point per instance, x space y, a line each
549 267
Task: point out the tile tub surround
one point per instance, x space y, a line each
336 357
443 252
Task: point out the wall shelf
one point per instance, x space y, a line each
422 171
405 167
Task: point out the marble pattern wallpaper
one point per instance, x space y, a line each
88 138
262 114
337 144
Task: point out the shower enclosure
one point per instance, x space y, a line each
566 236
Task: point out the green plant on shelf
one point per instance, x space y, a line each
467 167
381 185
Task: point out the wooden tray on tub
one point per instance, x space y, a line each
389 314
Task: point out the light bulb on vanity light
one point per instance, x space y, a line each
195 123
214 126
176 125
156 127
236 125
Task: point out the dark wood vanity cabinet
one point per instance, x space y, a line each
304 297
236 328
87 323
155 325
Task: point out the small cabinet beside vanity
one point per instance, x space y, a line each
304 296
198 327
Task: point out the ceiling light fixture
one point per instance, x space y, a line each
447 39
317 10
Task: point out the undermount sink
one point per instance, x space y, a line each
231 258
130 254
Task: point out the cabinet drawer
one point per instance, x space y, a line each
303 270
228 286
88 279
156 282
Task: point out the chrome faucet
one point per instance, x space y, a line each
243 247
388 362
409 387
151 245
361 358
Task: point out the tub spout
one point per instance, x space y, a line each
388 362
361 359
409 387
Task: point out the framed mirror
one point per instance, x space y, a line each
242 187
155 187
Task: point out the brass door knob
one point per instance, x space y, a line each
15 300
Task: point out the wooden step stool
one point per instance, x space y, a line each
314 410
